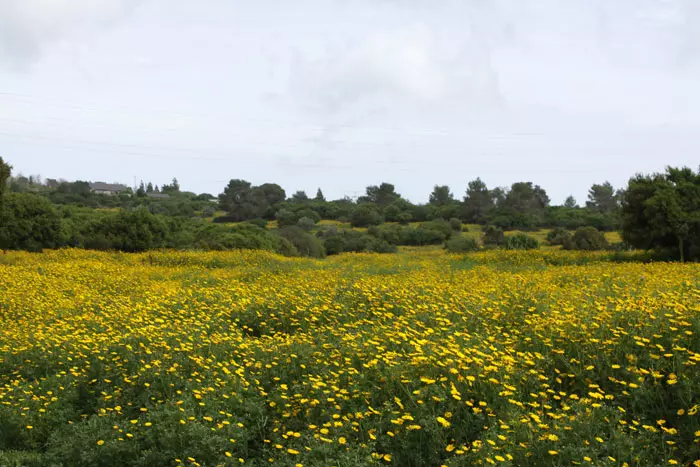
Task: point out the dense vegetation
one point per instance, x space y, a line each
659 212
416 359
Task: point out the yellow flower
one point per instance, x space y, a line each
100 442
342 440
443 422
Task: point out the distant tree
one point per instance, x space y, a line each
305 243
461 244
493 236
520 242
404 218
242 201
306 223
5 174
478 202
381 195
149 187
173 188
558 236
570 202
586 238
29 222
141 192
441 196
365 215
300 197
525 197
663 211
266 199
285 218
319 196
602 198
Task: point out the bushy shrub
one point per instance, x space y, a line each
456 224
207 211
461 244
365 215
309 213
587 238
342 241
558 236
286 218
335 245
520 242
306 223
493 236
305 243
404 218
129 231
28 222
259 222
225 220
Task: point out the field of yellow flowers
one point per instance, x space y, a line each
540 358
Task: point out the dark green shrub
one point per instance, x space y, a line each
286 218
225 220
29 222
306 223
520 242
404 218
456 224
365 215
558 236
262 223
587 238
305 243
493 236
461 244
335 245
309 213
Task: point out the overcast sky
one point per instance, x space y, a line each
345 93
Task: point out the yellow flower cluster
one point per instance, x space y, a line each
419 358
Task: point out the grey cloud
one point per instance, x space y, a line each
28 26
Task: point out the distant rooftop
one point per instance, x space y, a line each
101 186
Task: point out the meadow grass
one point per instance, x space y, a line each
421 358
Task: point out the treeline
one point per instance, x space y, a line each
523 206
659 211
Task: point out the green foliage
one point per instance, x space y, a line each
520 242
28 222
306 223
5 174
305 243
602 198
662 211
365 215
478 202
456 224
586 238
262 223
381 195
286 218
493 236
404 218
130 231
461 244
558 236
242 201
441 196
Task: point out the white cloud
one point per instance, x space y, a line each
28 26
402 66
